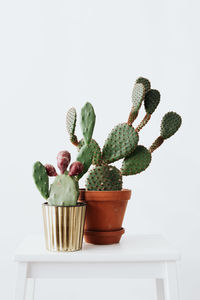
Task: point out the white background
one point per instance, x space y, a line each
58 54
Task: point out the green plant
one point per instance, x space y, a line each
64 191
122 142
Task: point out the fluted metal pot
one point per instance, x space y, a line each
63 226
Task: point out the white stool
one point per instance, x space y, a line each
141 256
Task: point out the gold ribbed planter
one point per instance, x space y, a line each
63 226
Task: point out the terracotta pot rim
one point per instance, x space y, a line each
105 192
104 233
105 196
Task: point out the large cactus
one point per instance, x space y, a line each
122 142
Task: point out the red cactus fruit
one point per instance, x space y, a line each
63 160
51 171
65 154
76 168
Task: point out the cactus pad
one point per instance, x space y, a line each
151 101
138 95
64 191
71 121
137 98
137 162
146 83
170 124
87 121
104 178
95 149
85 157
122 141
41 179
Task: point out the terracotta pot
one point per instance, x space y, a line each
104 215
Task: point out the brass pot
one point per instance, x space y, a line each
63 226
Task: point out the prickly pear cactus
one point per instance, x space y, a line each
122 140
104 178
64 191
146 83
136 162
87 122
95 149
41 179
170 124
71 125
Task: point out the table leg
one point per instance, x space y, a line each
160 289
171 282
31 288
21 281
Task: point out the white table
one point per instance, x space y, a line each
140 256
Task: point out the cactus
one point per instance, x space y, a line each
104 178
151 101
41 179
64 191
120 143
71 125
87 122
171 122
136 162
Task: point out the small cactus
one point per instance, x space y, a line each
64 191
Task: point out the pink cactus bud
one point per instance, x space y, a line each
51 171
63 160
76 168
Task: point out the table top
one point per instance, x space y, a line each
132 248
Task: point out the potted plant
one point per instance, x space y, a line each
106 199
63 217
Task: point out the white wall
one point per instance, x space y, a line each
58 54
